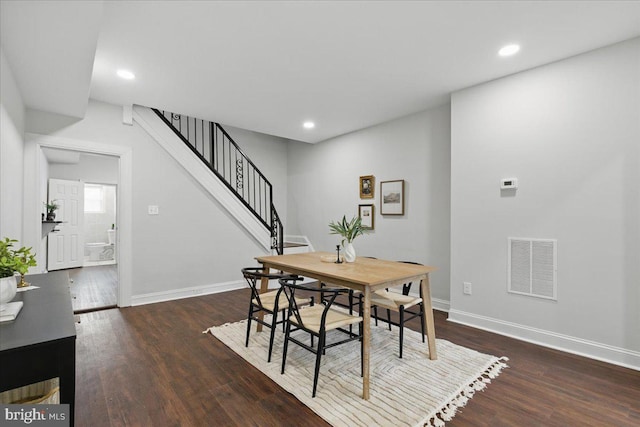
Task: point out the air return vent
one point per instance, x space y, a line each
532 267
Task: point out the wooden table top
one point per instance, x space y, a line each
364 271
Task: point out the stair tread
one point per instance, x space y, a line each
294 245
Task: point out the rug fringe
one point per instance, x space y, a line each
449 410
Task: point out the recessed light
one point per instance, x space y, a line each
126 74
309 125
509 50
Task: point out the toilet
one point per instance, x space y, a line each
99 251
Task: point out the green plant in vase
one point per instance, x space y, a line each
24 260
13 261
349 230
51 207
7 260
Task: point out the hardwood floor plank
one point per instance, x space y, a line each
94 287
152 365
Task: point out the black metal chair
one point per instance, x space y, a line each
270 302
317 320
400 303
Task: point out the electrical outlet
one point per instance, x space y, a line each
466 288
153 210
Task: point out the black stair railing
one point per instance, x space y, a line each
213 145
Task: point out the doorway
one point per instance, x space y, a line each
35 182
84 186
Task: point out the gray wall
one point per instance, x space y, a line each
12 117
324 186
570 132
193 242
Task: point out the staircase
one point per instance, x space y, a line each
220 153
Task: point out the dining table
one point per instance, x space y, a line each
366 275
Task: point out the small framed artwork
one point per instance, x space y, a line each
392 197
365 212
366 187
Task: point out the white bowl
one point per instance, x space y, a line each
8 288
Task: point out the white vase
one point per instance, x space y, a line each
8 288
349 252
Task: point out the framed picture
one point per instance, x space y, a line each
392 197
365 212
367 186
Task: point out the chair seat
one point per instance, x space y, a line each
268 300
393 300
312 315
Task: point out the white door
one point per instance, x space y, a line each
65 248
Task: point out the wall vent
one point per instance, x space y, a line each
532 265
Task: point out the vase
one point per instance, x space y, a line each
349 252
8 288
51 216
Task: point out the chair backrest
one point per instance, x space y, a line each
254 275
289 286
407 286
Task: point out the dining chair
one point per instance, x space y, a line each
317 320
400 303
271 302
354 298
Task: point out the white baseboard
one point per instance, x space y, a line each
591 349
440 304
194 291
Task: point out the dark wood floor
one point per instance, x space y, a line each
152 366
93 287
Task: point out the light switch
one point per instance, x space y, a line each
153 210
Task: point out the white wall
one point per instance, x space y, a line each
570 133
12 116
193 242
324 186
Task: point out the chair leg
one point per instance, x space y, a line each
351 309
401 328
246 343
284 315
422 320
389 318
321 339
375 313
361 350
285 346
274 326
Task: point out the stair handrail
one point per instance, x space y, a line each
269 216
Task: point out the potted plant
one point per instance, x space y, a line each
13 261
349 230
51 207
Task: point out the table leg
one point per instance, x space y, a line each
366 341
429 324
264 287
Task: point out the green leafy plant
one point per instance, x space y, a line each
349 230
52 206
15 260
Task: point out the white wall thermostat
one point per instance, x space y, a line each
509 184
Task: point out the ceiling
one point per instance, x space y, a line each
268 66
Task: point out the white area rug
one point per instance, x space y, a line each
412 391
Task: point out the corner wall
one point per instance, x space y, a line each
570 132
324 186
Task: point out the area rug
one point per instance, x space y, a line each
412 391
